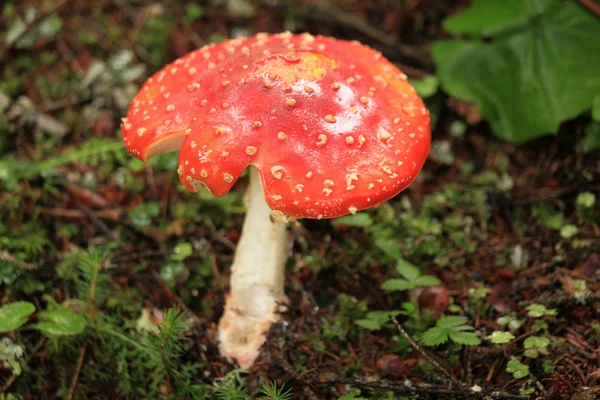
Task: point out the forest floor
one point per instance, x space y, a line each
511 232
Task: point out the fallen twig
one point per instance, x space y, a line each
7 257
101 225
421 389
560 300
327 11
76 375
592 6
178 300
112 214
423 352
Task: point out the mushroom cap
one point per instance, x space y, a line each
331 125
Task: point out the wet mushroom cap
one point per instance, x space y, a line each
331 125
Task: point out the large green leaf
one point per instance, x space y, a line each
540 66
488 17
14 315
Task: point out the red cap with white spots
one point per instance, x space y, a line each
331 125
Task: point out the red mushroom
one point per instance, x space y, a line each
330 126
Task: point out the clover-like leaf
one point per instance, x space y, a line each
500 337
517 369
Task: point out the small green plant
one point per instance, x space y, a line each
539 310
412 278
11 356
375 320
546 214
584 205
510 321
568 231
517 369
451 328
580 290
536 345
273 392
232 387
354 394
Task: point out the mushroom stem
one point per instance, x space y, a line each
257 276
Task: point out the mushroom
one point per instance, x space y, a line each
330 127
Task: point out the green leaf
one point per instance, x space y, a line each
397 285
360 220
500 337
585 200
389 247
596 109
539 68
451 321
435 336
193 12
182 251
407 270
536 341
466 338
490 17
591 140
568 231
452 327
539 310
14 315
517 369
376 319
369 324
61 322
142 215
353 395
426 280
427 86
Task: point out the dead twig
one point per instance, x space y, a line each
126 257
7 257
422 389
101 225
289 369
592 6
560 300
423 352
329 12
112 214
178 300
76 375
95 199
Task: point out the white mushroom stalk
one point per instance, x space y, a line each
257 275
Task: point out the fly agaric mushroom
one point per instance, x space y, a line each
330 127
